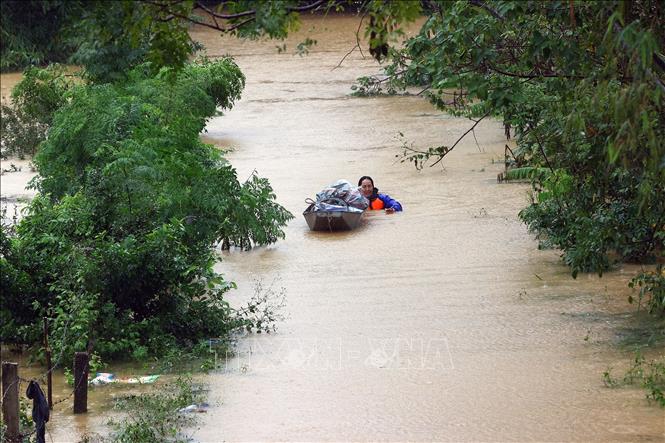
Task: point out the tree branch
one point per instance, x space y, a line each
462 136
304 8
532 76
214 14
486 7
356 46
443 150
345 56
167 8
542 150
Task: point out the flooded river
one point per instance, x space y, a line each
444 322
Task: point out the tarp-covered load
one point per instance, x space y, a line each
337 207
328 198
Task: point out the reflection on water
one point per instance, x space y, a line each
444 322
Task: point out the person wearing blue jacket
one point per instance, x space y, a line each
377 201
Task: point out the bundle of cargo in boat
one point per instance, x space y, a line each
339 207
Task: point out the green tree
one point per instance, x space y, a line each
110 38
118 245
31 32
582 84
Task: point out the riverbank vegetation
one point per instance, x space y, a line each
32 33
156 416
582 86
117 247
649 375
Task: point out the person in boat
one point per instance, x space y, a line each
377 200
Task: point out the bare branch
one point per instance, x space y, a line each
240 24
309 7
345 56
357 42
167 8
442 151
531 76
476 139
247 13
224 16
358 33
461 137
542 150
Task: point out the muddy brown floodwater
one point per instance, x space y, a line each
444 322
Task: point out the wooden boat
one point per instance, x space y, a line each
318 220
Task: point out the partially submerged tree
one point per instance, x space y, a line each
117 247
583 85
118 244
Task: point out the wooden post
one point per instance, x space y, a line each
80 382
10 400
49 377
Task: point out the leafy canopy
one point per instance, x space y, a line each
118 245
583 85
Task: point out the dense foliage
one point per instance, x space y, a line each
112 38
31 32
108 39
582 84
117 246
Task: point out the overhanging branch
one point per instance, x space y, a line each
462 137
167 8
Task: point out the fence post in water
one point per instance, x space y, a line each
49 377
10 400
80 382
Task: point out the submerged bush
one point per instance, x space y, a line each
650 375
155 416
651 285
118 245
